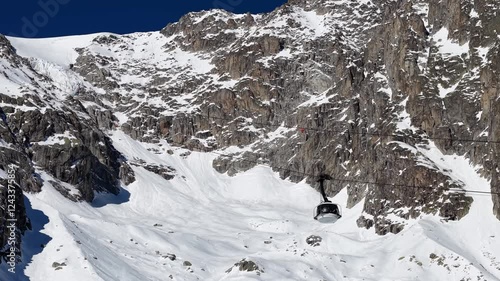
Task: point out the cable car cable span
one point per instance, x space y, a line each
454 190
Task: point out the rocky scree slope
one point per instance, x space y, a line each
370 81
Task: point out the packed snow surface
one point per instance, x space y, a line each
213 221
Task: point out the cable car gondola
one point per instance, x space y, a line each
326 211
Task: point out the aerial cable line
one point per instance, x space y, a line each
362 182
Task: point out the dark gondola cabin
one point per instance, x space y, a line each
326 211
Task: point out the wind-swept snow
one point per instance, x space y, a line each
45 47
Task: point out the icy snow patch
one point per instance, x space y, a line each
312 21
448 47
197 64
122 118
67 81
379 76
443 92
44 50
404 120
315 100
473 14
58 139
285 53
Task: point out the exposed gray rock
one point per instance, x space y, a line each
165 172
246 265
314 240
56 264
66 192
171 257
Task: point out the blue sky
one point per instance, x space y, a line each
49 18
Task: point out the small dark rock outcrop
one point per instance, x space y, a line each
314 240
246 265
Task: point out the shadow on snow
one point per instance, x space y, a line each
103 199
33 243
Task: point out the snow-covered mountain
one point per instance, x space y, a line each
192 153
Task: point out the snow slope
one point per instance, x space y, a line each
213 221
46 47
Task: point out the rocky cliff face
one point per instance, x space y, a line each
382 88
42 130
